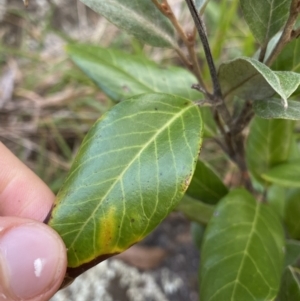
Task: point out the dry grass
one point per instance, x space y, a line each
46 104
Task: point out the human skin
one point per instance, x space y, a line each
32 255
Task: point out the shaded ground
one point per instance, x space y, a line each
161 268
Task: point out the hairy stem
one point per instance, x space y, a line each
202 34
217 97
288 32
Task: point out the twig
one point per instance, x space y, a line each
184 58
202 34
233 143
245 116
241 161
217 98
166 10
188 40
194 58
288 33
219 124
262 53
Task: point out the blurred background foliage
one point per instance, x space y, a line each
47 104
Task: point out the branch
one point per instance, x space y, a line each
194 58
217 98
166 10
188 40
262 53
245 116
184 59
288 33
234 139
241 161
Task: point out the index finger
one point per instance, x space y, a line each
22 192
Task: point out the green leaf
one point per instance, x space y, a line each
132 169
195 210
286 174
265 18
289 58
268 144
206 185
271 45
292 213
289 82
141 19
290 286
295 150
197 231
121 75
242 251
292 249
273 108
276 196
239 76
210 127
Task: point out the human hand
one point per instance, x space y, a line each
32 255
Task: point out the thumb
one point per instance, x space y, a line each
32 260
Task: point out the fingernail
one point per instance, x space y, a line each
30 257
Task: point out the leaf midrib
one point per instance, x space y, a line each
236 282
